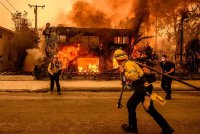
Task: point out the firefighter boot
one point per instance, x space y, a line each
128 128
169 130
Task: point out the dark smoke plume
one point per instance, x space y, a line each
142 13
119 13
85 15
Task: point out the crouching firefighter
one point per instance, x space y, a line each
135 77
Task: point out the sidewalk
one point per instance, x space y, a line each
31 85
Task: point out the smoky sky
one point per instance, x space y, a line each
85 15
112 13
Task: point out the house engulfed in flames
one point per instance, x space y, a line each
89 49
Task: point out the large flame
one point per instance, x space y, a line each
88 65
67 54
70 53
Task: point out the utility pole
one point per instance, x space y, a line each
35 11
156 37
181 47
156 29
184 15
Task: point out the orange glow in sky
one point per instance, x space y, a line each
67 11
47 14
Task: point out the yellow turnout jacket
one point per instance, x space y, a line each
132 71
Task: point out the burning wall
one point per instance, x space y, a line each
94 52
67 54
72 61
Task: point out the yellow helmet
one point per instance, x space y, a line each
120 55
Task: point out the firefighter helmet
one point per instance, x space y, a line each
120 55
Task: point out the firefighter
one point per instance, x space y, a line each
54 70
135 76
47 31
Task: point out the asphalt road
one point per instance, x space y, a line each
91 113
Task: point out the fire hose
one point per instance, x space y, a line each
176 79
119 105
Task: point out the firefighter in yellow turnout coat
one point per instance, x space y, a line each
54 71
135 76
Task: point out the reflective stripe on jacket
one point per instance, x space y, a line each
54 68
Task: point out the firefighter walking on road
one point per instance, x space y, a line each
54 70
135 76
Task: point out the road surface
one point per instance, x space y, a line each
91 113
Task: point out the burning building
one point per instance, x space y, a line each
89 49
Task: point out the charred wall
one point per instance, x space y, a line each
95 42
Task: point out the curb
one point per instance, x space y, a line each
86 89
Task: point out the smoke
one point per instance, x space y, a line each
86 15
140 12
110 14
106 13
138 15
34 56
117 13
96 13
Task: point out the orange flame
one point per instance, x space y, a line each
136 53
67 54
88 65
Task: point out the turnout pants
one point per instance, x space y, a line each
134 100
166 85
55 77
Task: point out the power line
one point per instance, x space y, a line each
6 7
11 5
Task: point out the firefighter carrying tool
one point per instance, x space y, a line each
123 79
134 75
